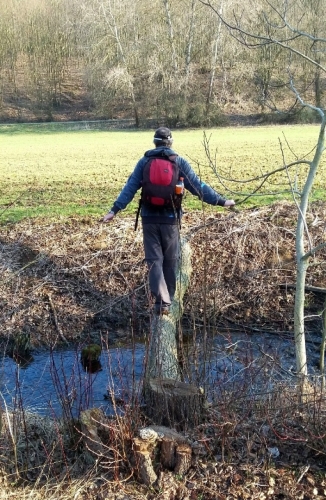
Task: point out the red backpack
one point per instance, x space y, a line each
160 176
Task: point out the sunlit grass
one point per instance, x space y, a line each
51 170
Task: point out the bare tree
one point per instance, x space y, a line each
190 41
171 34
315 12
282 25
214 58
108 12
9 52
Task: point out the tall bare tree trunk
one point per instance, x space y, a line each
190 42
111 21
171 35
214 59
302 257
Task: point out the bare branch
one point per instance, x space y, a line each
263 178
312 252
243 36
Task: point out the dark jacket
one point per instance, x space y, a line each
166 216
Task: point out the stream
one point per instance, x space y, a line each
55 383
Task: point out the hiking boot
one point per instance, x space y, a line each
162 310
165 311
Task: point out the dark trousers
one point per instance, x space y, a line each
161 245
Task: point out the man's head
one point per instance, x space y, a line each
163 137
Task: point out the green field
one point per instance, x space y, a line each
51 170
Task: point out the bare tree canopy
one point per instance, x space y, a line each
175 61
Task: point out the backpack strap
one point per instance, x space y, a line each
138 212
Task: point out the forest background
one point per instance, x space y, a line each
150 60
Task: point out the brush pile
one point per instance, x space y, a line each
73 279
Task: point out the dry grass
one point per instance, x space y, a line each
273 448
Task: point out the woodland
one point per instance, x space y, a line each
154 61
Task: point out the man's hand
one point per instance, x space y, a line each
108 217
229 203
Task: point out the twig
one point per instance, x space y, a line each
307 288
56 319
13 202
304 471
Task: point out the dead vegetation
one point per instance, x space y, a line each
72 279
75 279
259 450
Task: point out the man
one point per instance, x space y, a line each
161 224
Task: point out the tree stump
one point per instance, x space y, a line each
146 473
182 459
168 447
21 349
168 453
90 358
173 403
91 421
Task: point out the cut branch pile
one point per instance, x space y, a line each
97 281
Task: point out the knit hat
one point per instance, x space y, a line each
163 134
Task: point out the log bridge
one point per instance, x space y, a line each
168 400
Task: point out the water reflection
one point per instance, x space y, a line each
91 366
56 384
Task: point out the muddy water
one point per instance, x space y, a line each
56 384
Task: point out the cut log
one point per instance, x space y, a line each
168 433
307 288
163 351
168 400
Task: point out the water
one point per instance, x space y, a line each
55 384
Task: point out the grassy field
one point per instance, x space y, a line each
53 170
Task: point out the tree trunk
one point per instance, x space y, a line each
190 43
171 35
302 258
174 404
214 60
168 400
163 352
